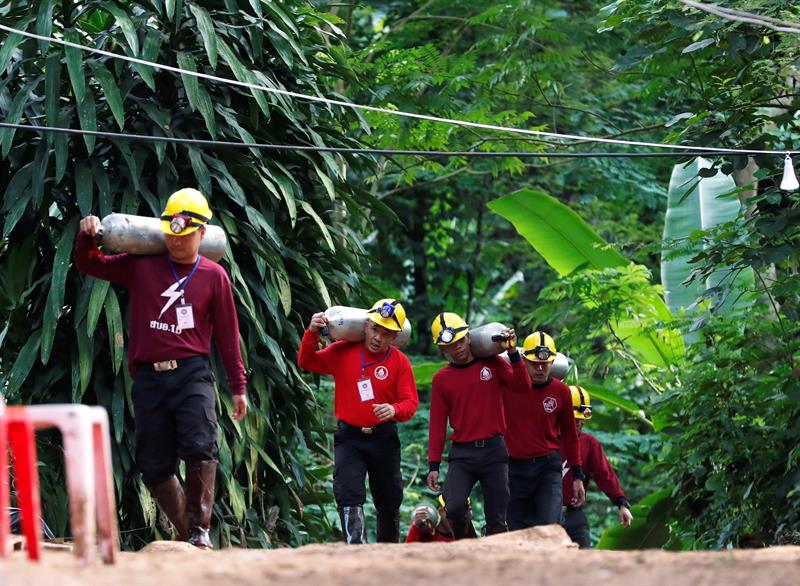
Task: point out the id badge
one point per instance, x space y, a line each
185 316
365 389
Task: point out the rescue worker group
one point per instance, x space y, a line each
516 430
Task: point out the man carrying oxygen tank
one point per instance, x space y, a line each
596 467
374 389
468 392
537 422
178 301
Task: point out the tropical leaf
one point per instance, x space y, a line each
696 204
568 244
597 392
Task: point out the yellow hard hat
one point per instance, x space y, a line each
448 328
388 313
581 402
185 212
539 347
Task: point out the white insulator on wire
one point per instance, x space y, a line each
789 181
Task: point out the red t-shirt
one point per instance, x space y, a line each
594 465
470 396
534 421
390 374
154 334
415 536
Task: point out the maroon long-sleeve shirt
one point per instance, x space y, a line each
470 396
154 335
415 536
534 421
595 467
390 374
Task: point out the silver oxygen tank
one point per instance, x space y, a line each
560 366
143 235
347 323
488 340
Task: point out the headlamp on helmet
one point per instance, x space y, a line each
178 223
539 347
448 328
581 402
447 335
541 353
388 313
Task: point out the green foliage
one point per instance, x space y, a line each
572 248
56 346
733 457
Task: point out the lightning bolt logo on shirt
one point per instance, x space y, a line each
172 294
564 468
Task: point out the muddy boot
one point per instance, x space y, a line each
172 501
354 527
200 477
460 528
388 527
495 528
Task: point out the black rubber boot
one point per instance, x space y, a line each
200 478
388 527
460 528
171 499
354 526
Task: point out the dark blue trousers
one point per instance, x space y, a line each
535 489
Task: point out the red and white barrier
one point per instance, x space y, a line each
90 487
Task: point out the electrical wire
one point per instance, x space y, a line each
363 151
345 104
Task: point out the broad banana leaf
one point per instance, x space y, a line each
568 244
696 204
598 393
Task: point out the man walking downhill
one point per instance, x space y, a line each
468 392
374 389
596 467
535 421
178 301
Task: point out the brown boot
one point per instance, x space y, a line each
200 478
171 499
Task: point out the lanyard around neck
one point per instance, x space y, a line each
182 286
365 365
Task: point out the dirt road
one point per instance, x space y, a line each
542 555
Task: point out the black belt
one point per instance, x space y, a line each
386 426
167 365
535 459
481 443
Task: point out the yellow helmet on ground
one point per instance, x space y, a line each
539 347
440 500
448 328
388 313
185 212
581 402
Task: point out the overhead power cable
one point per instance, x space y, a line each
366 151
775 24
344 104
